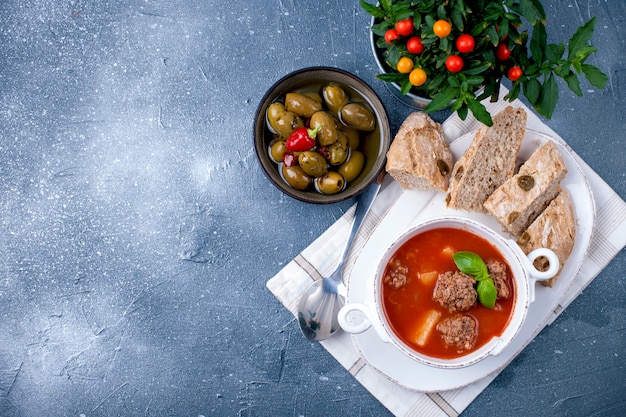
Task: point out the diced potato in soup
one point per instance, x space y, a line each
448 251
429 278
426 327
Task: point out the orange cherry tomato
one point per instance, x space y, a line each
405 65
417 77
442 28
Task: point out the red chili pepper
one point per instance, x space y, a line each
290 159
302 139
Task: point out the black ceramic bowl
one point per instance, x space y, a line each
374 146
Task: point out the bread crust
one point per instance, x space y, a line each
419 156
517 202
488 162
554 229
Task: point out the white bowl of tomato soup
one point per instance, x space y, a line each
430 296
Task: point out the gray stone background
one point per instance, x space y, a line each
137 229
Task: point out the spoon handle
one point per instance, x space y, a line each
364 202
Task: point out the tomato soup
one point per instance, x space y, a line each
408 298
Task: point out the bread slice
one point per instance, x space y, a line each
488 161
554 229
517 202
419 157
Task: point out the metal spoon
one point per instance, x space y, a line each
321 302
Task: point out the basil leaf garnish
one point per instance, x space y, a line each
472 264
487 293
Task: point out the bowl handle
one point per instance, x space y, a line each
537 275
348 324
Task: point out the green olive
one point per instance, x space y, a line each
327 133
296 177
354 137
331 183
301 104
339 150
314 96
277 150
337 153
313 163
359 117
286 122
335 97
353 166
273 110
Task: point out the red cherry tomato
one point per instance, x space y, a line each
454 63
503 52
391 35
465 43
414 45
404 27
514 73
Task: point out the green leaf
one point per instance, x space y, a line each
441 12
584 52
430 21
387 5
456 106
549 97
532 90
475 80
596 77
538 42
454 82
457 19
477 68
462 110
487 293
514 92
406 86
533 11
480 112
555 52
372 10
492 34
445 45
580 38
470 263
441 100
391 77
572 82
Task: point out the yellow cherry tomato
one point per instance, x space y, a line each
442 28
417 77
405 65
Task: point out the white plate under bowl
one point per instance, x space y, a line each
414 206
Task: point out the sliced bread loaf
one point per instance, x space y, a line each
517 202
419 157
488 161
554 229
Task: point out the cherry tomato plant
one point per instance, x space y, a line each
467 47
